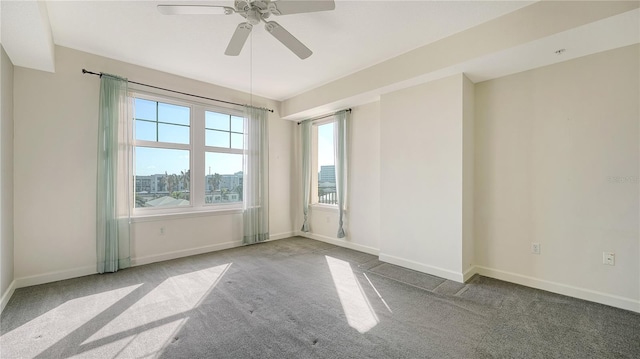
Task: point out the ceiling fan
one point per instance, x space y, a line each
254 12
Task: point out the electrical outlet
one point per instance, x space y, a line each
535 248
162 231
609 258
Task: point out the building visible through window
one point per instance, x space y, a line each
326 189
186 155
162 154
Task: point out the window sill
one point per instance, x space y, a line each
324 207
163 216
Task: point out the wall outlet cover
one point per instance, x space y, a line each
535 248
609 258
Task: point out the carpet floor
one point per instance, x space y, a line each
300 298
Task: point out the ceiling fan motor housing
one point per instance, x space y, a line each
253 16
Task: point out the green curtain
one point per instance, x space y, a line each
113 210
255 216
305 127
340 136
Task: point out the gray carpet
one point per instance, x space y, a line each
299 298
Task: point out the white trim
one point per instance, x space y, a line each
190 214
274 237
83 271
199 250
323 207
469 273
54 276
7 295
340 243
184 253
560 288
421 267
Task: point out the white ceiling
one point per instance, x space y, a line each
358 40
356 35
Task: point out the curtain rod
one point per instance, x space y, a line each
178 92
325 116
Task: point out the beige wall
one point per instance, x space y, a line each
421 177
6 176
549 156
557 153
55 173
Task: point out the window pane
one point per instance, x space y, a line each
237 124
173 133
216 121
162 177
223 180
237 141
326 170
145 109
145 130
173 114
216 138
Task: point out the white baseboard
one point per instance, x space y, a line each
424 268
560 288
339 242
54 276
199 250
469 273
273 237
7 295
183 253
83 271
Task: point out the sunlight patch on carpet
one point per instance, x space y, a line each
35 336
360 315
152 321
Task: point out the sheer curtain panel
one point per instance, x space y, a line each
340 136
255 215
113 211
305 127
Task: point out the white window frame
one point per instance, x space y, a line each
197 150
231 112
315 167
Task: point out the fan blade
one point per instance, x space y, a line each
238 39
283 7
194 10
287 39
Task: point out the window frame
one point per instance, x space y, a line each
315 165
215 149
197 153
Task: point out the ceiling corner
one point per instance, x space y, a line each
26 34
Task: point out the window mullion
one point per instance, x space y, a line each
198 163
169 146
157 124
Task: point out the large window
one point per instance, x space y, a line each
324 182
187 156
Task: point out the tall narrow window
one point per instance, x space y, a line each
325 165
